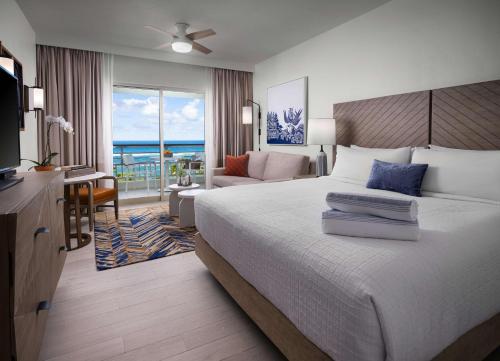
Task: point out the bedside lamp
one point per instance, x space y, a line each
321 131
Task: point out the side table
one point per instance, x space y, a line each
186 206
173 199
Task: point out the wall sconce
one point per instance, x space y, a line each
7 64
33 98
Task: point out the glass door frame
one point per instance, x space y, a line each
161 90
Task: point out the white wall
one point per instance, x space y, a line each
401 46
18 36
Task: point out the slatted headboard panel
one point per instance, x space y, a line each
467 116
387 122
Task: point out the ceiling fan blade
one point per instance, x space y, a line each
163 46
153 28
201 34
201 48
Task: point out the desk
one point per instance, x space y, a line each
82 238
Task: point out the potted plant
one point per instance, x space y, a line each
183 176
48 155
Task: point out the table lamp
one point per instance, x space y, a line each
321 131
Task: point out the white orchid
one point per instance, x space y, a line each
48 155
61 122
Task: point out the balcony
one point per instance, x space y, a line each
137 166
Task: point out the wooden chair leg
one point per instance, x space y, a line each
90 208
116 208
90 211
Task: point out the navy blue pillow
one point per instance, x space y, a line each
396 177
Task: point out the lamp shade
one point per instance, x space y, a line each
33 98
7 64
321 131
247 115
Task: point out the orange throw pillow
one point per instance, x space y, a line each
237 166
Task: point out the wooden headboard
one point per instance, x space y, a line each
467 116
387 122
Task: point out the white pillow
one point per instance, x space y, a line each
406 150
356 165
437 147
466 173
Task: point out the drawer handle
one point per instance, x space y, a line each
41 230
62 249
43 306
60 200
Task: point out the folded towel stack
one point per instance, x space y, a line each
371 217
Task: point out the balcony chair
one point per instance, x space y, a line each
136 169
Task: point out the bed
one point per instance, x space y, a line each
320 296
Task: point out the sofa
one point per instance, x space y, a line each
265 167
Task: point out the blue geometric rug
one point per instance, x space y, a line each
139 235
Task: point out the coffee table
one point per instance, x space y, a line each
186 206
173 199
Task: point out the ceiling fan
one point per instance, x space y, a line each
181 41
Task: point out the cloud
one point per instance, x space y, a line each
151 108
190 110
131 102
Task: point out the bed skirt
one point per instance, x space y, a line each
475 345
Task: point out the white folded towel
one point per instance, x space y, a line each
367 226
404 210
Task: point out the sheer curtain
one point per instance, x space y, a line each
210 161
230 90
72 80
105 157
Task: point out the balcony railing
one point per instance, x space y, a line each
137 164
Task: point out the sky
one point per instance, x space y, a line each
136 115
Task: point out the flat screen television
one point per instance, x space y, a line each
10 156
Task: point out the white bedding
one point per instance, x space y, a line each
360 299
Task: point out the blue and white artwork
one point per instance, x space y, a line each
286 113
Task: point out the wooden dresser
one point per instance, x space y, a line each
32 255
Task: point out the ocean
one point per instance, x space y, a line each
149 150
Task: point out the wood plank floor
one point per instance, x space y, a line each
166 309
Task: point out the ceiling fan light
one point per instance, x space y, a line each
182 46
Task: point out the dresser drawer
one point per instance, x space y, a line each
34 248
29 329
57 234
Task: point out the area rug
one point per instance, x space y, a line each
139 235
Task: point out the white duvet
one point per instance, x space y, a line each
356 298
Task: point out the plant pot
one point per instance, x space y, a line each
44 168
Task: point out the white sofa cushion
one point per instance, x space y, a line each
257 164
285 165
229 180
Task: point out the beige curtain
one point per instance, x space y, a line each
231 89
72 83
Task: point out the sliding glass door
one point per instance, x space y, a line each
184 136
151 148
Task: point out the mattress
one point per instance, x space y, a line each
360 298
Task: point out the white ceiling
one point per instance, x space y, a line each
248 31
